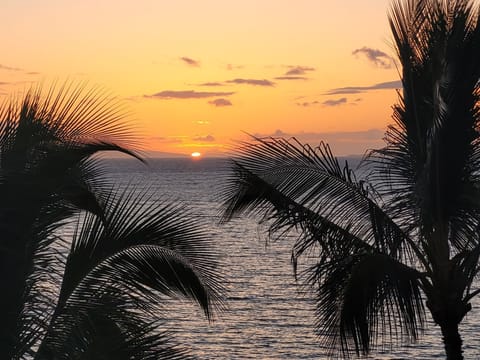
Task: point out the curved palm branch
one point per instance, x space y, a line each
132 219
45 175
363 296
101 338
303 183
124 292
304 189
159 250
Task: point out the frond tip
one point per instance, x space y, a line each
364 297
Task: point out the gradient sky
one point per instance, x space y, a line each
196 75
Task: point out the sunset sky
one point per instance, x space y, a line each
198 75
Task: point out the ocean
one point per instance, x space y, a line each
268 316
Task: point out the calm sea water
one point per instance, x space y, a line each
267 315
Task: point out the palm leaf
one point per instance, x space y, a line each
93 335
137 219
297 188
296 179
131 284
45 176
362 297
428 168
128 262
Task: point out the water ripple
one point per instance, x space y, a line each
268 317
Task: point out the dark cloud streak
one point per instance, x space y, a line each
308 103
190 61
375 56
186 94
254 82
220 102
299 70
211 83
208 138
397 84
291 78
335 102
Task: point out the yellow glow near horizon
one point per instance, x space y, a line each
199 75
196 154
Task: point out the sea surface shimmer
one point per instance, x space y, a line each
267 316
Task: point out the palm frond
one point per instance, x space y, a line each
45 176
427 169
363 297
131 284
96 336
466 268
306 185
133 219
144 271
357 246
128 262
122 293
81 114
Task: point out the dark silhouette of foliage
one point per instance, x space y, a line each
97 294
404 237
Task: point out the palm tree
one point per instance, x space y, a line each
405 234
101 297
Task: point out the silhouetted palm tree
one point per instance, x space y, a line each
407 232
101 298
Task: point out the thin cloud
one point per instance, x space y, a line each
211 83
167 140
308 103
231 67
254 82
220 102
299 70
190 61
335 102
291 78
397 84
135 99
330 102
208 138
9 68
342 142
279 133
358 100
375 56
370 134
186 94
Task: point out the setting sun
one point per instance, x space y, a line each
196 154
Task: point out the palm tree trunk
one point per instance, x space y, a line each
11 306
448 315
16 263
452 341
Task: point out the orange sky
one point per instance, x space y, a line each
197 74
